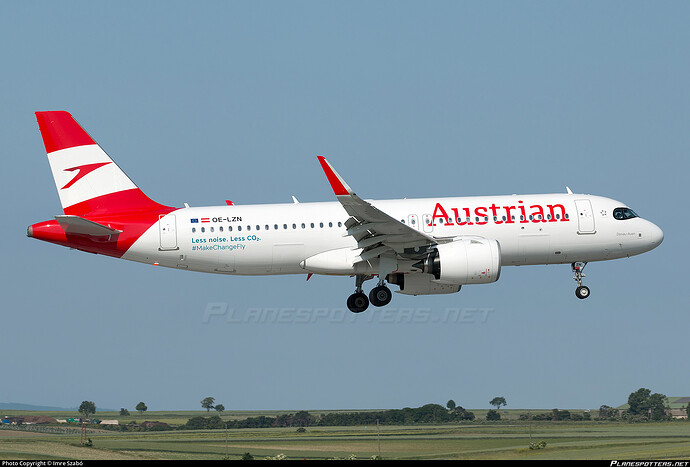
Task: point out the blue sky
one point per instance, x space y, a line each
207 101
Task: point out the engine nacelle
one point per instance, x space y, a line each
421 284
471 260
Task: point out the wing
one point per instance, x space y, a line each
376 232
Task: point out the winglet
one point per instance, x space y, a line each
340 188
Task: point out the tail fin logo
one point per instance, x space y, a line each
83 171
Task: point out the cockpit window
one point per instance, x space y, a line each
622 214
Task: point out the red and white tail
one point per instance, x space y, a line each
87 179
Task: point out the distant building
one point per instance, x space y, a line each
679 406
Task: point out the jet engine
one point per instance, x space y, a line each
469 260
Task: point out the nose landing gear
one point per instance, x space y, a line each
582 291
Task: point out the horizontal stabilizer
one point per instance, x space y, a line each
81 226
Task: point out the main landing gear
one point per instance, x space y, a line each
379 295
582 291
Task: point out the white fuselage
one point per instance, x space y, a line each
424 246
278 238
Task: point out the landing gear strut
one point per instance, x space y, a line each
582 291
379 295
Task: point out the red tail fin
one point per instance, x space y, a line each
88 181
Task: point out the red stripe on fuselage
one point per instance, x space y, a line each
130 211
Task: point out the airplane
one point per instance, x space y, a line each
423 246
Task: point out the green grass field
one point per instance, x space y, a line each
508 439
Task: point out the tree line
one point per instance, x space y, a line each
643 405
429 413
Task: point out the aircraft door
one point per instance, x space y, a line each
585 216
167 230
413 221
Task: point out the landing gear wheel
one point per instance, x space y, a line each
582 292
380 296
357 302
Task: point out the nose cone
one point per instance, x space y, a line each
656 235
